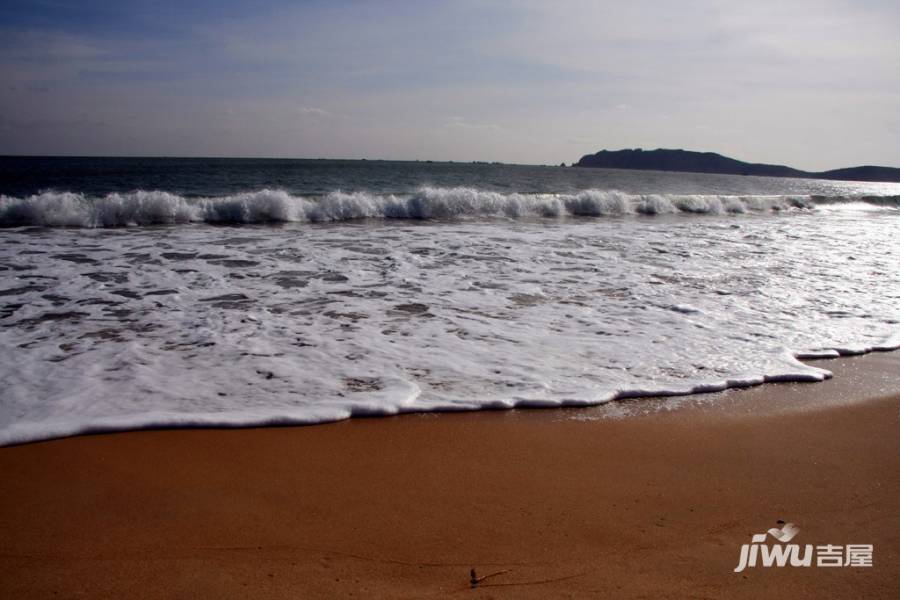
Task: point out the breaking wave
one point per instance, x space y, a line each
69 209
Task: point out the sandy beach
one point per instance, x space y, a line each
634 500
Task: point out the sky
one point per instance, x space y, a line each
811 84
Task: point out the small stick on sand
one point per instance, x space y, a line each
474 580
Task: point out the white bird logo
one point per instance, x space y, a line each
785 534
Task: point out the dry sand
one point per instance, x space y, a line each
562 503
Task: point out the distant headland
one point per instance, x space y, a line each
710 162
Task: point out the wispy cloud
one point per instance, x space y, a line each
463 123
315 112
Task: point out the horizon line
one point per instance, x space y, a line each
418 160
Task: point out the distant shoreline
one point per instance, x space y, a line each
672 161
686 161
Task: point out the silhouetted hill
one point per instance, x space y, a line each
866 173
710 162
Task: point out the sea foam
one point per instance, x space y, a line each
374 314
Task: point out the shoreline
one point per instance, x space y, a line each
658 399
650 501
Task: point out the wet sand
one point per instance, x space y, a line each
644 499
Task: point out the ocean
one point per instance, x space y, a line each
139 293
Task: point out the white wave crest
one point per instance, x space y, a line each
69 209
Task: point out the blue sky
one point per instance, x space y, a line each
815 84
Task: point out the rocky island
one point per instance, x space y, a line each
709 162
